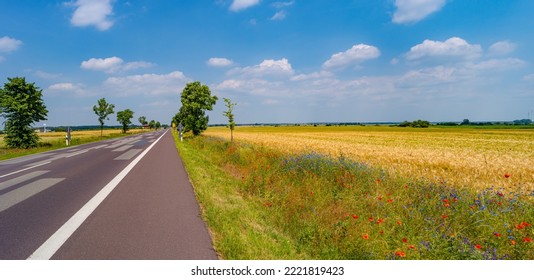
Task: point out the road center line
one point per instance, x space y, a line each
50 247
33 166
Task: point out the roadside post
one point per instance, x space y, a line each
181 130
67 137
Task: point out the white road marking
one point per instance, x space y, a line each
122 148
128 155
23 178
18 195
33 166
50 247
75 153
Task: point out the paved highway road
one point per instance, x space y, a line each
116 199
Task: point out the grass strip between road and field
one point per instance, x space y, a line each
262 203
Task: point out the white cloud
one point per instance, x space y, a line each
354 55
9 44
280 15
498 64
46 75
529 77
219 62
238 5
148 84
268 67
502 48
453 47
314 75
280 5
93 12
113 64
76 89
411 11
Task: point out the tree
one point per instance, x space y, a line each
124 118
21 104
196 99
465 122
152 124
142 120
230 115
103 111
158 125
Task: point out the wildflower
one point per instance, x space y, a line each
381 232
497 234
379 198
446 205
365 236
412 247
527 239
444 216
405 186
478 246
507 175
390 200
512 242
371 219
519 226
400 254
355 216
500 194
525 224
445 201
378 181
399 223
455 199
404 240
379 221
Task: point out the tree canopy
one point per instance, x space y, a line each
196 100
103 110
21 104
230 115
125 119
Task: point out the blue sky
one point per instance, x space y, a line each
280 61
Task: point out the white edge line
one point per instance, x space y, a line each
50 247
18 171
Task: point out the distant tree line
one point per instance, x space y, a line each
417 124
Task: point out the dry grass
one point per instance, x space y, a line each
460 157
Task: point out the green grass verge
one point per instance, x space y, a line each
263 204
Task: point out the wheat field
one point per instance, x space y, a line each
459 157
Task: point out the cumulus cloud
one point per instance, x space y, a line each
498 64
453 47
314 75
411 11
238 5
76 89
356 54
8 44
502 48
93 13
148 84
268 67
281 5
219 62
113 64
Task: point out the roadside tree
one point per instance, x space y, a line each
142 120
196 100
125 119
21 104
103 110
230 115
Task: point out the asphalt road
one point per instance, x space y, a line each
118 199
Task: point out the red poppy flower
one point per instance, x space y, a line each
446 205
497 234
455 199
365 236
399 223
405 186
527 239
390 200
379 198
381 232
525 224
507 175
478 247
446 200
380 221
512 242
500 194
404 240
400 254
412 247
444 216
519 226
355 216
371 219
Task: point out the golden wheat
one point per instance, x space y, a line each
462 157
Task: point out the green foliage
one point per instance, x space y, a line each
103 110
158 125
196 100
125 119
21 104
417 124
152 124
230 115
142 120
